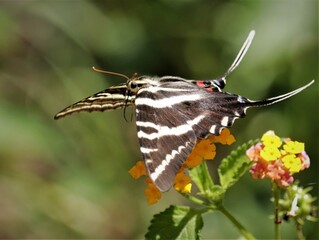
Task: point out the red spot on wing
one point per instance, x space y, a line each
201 84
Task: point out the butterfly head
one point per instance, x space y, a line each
136 83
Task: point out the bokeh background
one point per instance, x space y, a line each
68 178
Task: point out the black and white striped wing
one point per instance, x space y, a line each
111 98
171 117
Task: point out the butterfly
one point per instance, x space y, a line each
173 113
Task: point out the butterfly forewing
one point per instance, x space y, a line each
111 98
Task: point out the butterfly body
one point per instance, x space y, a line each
172 113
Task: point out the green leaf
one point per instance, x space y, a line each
233 167
201 177
176 222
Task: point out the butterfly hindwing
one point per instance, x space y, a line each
165 137
170 118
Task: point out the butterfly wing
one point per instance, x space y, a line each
170 118
111 98
171 114
165 137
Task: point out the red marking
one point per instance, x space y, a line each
201 84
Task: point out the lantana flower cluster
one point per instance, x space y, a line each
204 150
277 159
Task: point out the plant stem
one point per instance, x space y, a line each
277 221
299 230
194 199
240 227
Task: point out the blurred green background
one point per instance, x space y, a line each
68 178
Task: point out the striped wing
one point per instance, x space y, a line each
171 118
112 98
171 114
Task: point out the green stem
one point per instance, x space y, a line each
194 199
299 230
275 190
240 227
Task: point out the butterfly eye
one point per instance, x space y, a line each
133 85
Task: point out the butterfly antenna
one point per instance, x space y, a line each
120 75
112 73
221 81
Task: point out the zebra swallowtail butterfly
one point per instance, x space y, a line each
172 113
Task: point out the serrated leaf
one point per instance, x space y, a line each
233 167
176 222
